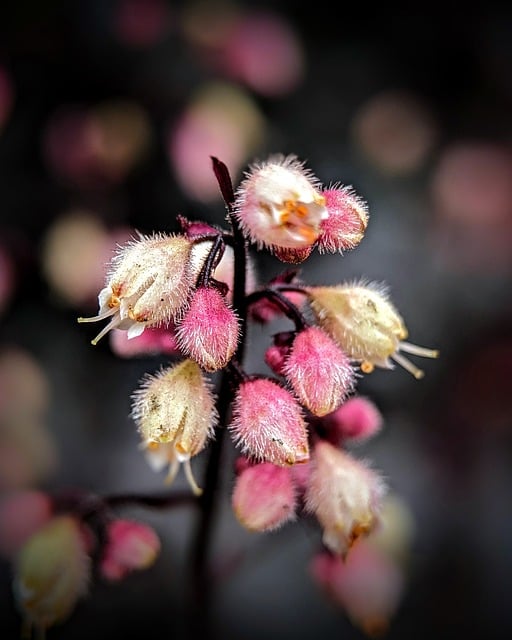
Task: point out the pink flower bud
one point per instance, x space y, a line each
279 205
148 284
360 318
52 572
346 222
268 423
275 355
131 546
368 585
153 341
22 513
208 332
344 495
357 419
318 371
175 414
264 497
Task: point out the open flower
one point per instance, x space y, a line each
361 319
175 413
279 205
148 284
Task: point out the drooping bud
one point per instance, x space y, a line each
275 356
148 284
356 420
131 546
268 423
344 495
346 222
208 332
22 513
264 497
176 407
52 572
279 205
361 319
318 371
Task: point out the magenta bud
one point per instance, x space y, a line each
346 222
357 419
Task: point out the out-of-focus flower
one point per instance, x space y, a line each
221 120
208 331
131 546
175 414
268 423
153 341
52 573
346 222
279 204
22 513
355 420
264 497
318 371
141 23
148 284
345 496
264 310
362 320
396 131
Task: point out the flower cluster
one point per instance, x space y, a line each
190 295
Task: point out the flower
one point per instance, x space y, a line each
318 371
279 205
148 284
356 420
344 226
268 423
175 414
345 496
208 332
52 572
361 319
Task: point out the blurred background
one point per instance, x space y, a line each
109 113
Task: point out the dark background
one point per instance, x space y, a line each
445 447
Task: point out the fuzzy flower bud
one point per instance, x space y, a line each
318 371
268 423
148 284
361 319
208 332
52 572
344 495
264 497
279 205
131 546
357 419
346 222
175 408
275 356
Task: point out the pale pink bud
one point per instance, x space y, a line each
368 585
52 572
22 513
175 414
153 341
131 546
279 204
264 497
148 284
208 332
318 371
346 222
344 495
361 319
268 423
357 419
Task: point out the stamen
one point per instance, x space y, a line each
366 367
173 470
100 316
418 351
115 322
191 480
408 365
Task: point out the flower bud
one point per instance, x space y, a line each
318 371
153 341
346 222
148 284
344 495
275 356
366 325
175 407
264 497
208 332
357 419
268 423
279 205
52 572
22 513
131 546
